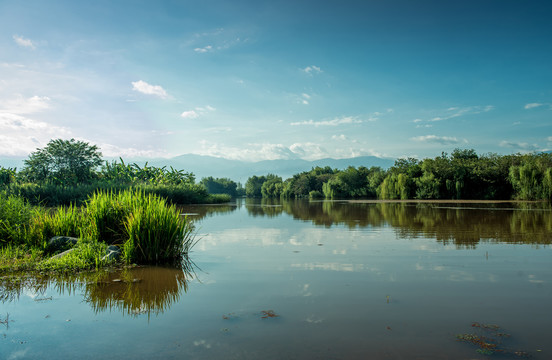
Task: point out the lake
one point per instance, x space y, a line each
309 280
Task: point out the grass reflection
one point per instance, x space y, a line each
131 291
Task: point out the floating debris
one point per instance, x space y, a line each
229 316
268 314
489 340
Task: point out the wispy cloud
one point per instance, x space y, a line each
304 99
312 69
253 151
339 137
333 122
443 140
22 105
20 135
197 112
532 106
203 50
190 114
454 112
519 145
21 41
110 150
145 88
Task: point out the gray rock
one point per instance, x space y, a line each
59 243
112 253
60 255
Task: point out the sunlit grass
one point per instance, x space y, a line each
145 226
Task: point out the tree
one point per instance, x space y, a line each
63 162
219 185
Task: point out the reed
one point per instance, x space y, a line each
63 221
15 217
157 233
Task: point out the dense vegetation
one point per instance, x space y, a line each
143 226
69 171
462 175
128 207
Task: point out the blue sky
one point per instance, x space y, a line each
256 80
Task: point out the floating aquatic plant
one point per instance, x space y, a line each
268 314
488 339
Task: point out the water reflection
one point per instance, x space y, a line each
131 291
462 224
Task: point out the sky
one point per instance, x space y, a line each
264 80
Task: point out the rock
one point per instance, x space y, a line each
60 255
59 243
112 253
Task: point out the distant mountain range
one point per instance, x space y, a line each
240 171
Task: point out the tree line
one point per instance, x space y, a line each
69 171
461 175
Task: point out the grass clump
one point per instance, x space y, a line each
15 218
150 230
146 228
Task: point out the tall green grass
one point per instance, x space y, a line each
15 218
150 229
55 195
145 226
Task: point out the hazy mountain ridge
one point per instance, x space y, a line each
203 166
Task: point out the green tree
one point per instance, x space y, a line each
219 186
63 162
272 187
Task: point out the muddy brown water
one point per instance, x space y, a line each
309 280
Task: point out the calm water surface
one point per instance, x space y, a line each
309 280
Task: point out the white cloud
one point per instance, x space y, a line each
264 151
145 88
21 41
309 151
333 122
532 106
339 137
20 135
312 70
191 114
197 112
115 151
444 140
519 145
203 49
549 138
21 105
454 112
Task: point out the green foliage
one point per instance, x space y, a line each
156 232
315 194
63 221
253 186
220 186
272 187
15 218
86 254
63 162
150 230
133 174
7 177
